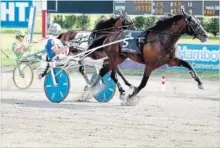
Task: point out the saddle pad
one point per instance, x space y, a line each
131 46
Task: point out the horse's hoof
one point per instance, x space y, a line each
133 100
85 96
86 88
201 87
40 77
131 87
81 99
123 96
127 104
130 96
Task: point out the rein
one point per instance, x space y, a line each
100 30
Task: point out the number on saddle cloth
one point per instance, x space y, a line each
132 45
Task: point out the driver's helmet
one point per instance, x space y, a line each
54 29
20 33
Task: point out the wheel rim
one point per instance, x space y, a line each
57 93
24 79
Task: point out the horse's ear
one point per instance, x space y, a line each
184 13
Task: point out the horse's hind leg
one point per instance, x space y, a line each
123 78
88 94
131 98
120 88
182 63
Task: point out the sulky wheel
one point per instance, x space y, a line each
57 93
23 76
107 86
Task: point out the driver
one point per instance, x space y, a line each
54 46
19 46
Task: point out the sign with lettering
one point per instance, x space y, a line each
15 13
211 8
163 7
201 57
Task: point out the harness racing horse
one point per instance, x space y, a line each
155 47
102 30
99 33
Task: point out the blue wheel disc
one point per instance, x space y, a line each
108 88
58 93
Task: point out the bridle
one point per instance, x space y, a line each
191 25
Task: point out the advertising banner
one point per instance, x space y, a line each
201 57
15 13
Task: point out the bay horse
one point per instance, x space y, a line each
156 46
101 31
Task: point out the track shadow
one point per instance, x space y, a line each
193 97
64 104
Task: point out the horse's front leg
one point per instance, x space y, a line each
90 91
82 72
131 98
182 63
124 79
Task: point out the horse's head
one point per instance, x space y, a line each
124 22
194 28
127 22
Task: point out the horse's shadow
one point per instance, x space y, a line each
64 104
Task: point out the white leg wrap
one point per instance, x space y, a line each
91 62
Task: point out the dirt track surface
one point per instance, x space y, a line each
182 117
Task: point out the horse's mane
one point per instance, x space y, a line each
105 24
164 22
